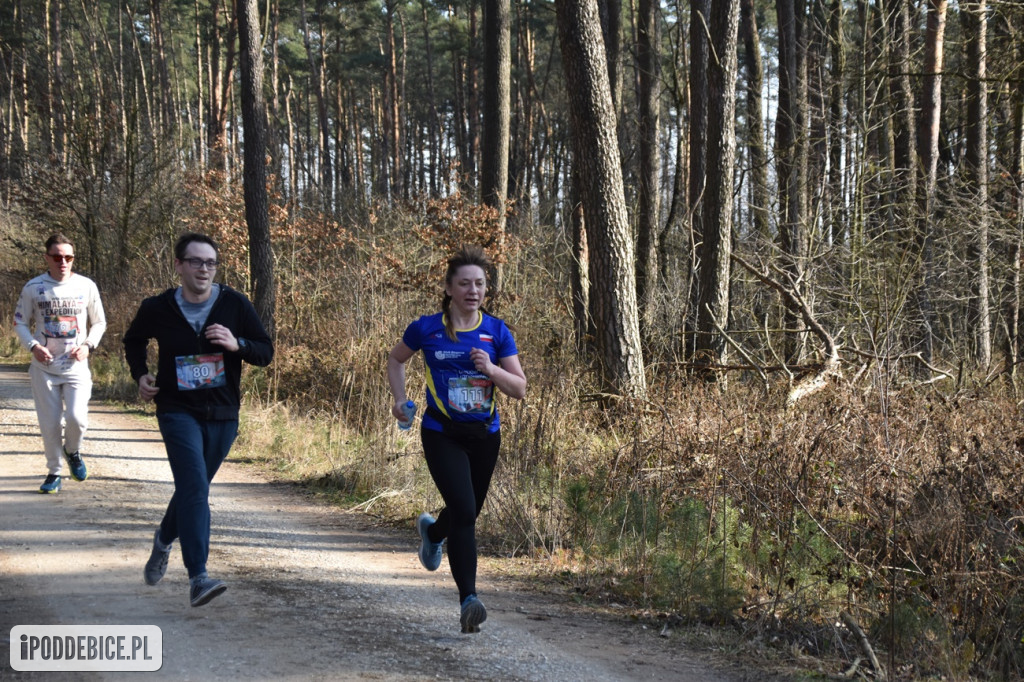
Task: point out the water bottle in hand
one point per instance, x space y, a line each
409 409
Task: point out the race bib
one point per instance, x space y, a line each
200 371
470 395
60 326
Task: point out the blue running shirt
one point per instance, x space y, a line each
454 386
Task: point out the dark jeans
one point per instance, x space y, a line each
461 468
195 450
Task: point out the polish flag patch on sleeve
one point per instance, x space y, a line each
487 337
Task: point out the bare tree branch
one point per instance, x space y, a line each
792 298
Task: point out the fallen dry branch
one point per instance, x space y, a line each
862 639
918 356
812 383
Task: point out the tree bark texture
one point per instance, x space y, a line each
928 159
791 155
613 291
698 108
496 116
649 194
755 123
838 231
901 97
715 249
975 27
254 117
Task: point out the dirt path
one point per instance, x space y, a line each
314 593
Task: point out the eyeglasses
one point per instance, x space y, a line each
58 257
197 263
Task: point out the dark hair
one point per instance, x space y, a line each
57 238
467 255
181 246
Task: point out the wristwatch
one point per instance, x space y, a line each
241 344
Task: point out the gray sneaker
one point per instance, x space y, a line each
157 564
473 613
203 588
430 552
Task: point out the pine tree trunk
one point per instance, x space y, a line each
716 244
755 123
791 161
976 166
928 155
649 204
837 213
254 178
698 108
613 291
901 97
496 110
1016 251
434 141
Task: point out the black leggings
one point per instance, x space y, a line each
461 469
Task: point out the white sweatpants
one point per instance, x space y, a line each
62 407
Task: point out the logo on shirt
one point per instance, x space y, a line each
448 354
487 338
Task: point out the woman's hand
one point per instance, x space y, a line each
397 358
482 361
508 375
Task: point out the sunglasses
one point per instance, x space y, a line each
58 257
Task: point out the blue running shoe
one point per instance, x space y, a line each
76 465
430 552
203 588
51 484
473 613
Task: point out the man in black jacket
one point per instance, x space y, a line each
203 331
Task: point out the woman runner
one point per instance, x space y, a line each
467 353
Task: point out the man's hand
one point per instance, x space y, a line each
40 353
147 387
80 353
222 336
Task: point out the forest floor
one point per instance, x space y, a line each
313 592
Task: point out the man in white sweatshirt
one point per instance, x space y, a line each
60 320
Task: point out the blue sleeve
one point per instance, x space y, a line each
413 336
506 344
